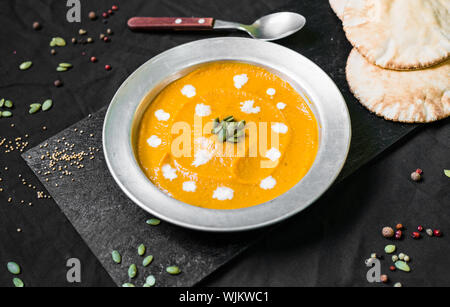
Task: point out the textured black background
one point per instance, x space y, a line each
326 245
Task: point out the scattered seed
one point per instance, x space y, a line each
53 51
58 83
117 258
416 235
105 15
25 65
65 65
415 176
47 105
18 283
399 227
398 234
150 281
108 67
132 271
61 69
420 228
407 258
388 232
82 32
92 16
2 102
13 268
36 25
141 250
398 285
402 266
115 8
57 41
6 113
9 104
34 108
93 59
429 232
437 233
89 40
102 36
173 270
74 40
394 258
392 268
389 249
384 278
401 256
373 256
109 32
146 262
447 172
153 222
128 285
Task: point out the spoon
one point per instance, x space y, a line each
268 28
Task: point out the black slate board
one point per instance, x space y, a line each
107 220
322 40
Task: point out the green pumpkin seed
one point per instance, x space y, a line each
241 125
402 266
150 281
47 105
240 133
57 41
35 107
117 258
65 65
6 113
153 222
61 69
2 102
128 285
9 104
389 249
146 262
141 250
222 135
173 270
13 268
228 119
25 65
216 122
18 283
132 271
447 172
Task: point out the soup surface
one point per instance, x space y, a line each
227 136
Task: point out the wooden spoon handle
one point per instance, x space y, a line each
170 23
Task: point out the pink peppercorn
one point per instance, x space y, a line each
398 234
108 67
115 8
392 268
420 228
93 59
105 15
416 235
437 233
110 12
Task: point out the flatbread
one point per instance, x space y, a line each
399 34
338 7
417 96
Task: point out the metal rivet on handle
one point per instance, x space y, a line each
201 21
178 21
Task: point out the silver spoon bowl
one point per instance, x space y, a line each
268 28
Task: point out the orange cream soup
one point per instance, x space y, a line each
193 166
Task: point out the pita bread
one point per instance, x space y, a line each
416 96
338 7
399 34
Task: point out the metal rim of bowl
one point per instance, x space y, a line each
328 105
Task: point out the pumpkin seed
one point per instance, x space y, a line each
25 65
151 281
141 250
241 125
61 69
128 285
47 105
217 129
117 258
228 119
240 133
35 107
57 41
13 268
6 113
2 102
222 135
9 104
447 172
132 271
389 249
173 270
216 123
18 283
147 261
153 222
402 266
65 65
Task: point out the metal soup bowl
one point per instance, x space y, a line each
126 109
